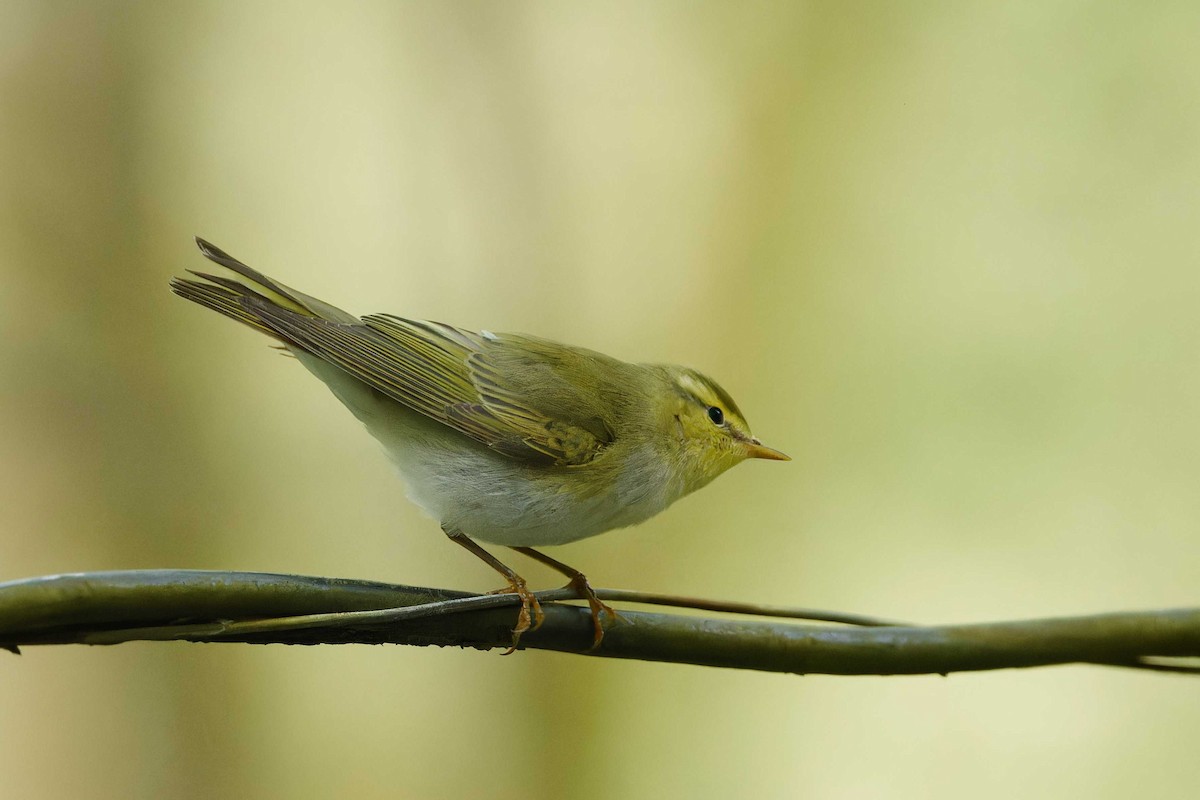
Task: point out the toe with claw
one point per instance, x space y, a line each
600 610
531 616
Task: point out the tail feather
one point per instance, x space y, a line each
223 301
230 294
248 277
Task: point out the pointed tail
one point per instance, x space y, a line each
227 293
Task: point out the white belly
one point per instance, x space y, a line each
466 486
495 499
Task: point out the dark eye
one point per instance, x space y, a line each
716 415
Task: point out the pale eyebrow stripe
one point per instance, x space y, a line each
691 387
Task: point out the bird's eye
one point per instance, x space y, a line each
716 415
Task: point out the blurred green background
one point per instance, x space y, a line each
944 254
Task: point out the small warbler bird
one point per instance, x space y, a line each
504 438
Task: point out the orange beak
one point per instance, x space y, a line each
756 449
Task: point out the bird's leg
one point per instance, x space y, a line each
578 583
531 615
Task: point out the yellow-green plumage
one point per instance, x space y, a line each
503 437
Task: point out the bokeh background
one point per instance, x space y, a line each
944 254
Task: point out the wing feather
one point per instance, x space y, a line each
444 373
527 398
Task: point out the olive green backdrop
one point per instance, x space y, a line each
944 254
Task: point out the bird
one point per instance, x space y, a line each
503 438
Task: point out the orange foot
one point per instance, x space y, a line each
531 616
579 584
